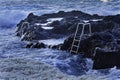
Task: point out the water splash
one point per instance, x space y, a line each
105 0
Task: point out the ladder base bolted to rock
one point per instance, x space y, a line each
77 38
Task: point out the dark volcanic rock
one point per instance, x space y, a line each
102 40
114 18
36 45
102 26
64 27
68 14
67 44
29 45
31 18
105 34
107 59
61 28
88 44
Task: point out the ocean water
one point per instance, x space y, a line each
12 11
17 62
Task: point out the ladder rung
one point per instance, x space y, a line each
76 40
75 46
74 51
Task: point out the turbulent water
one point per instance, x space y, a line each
47 64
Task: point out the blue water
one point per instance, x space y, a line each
12 11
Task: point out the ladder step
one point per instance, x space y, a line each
76 40
75 46
74 51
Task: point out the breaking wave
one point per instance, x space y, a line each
17 61
13 11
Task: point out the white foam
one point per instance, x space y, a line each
18 68
8 17
37 24
53 41
86 21
47 28
105 0
95 20
23 69
44 24
54 19
50 20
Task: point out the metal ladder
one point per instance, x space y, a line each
76 46
28 24
22 26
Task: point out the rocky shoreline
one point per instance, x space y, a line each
104 40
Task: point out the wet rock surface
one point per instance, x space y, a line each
105 33
107 40
106 59
63 23
88 44
35 45
61 27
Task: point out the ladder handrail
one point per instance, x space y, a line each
90 30
83 28
28 24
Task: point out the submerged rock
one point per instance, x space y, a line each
36 45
